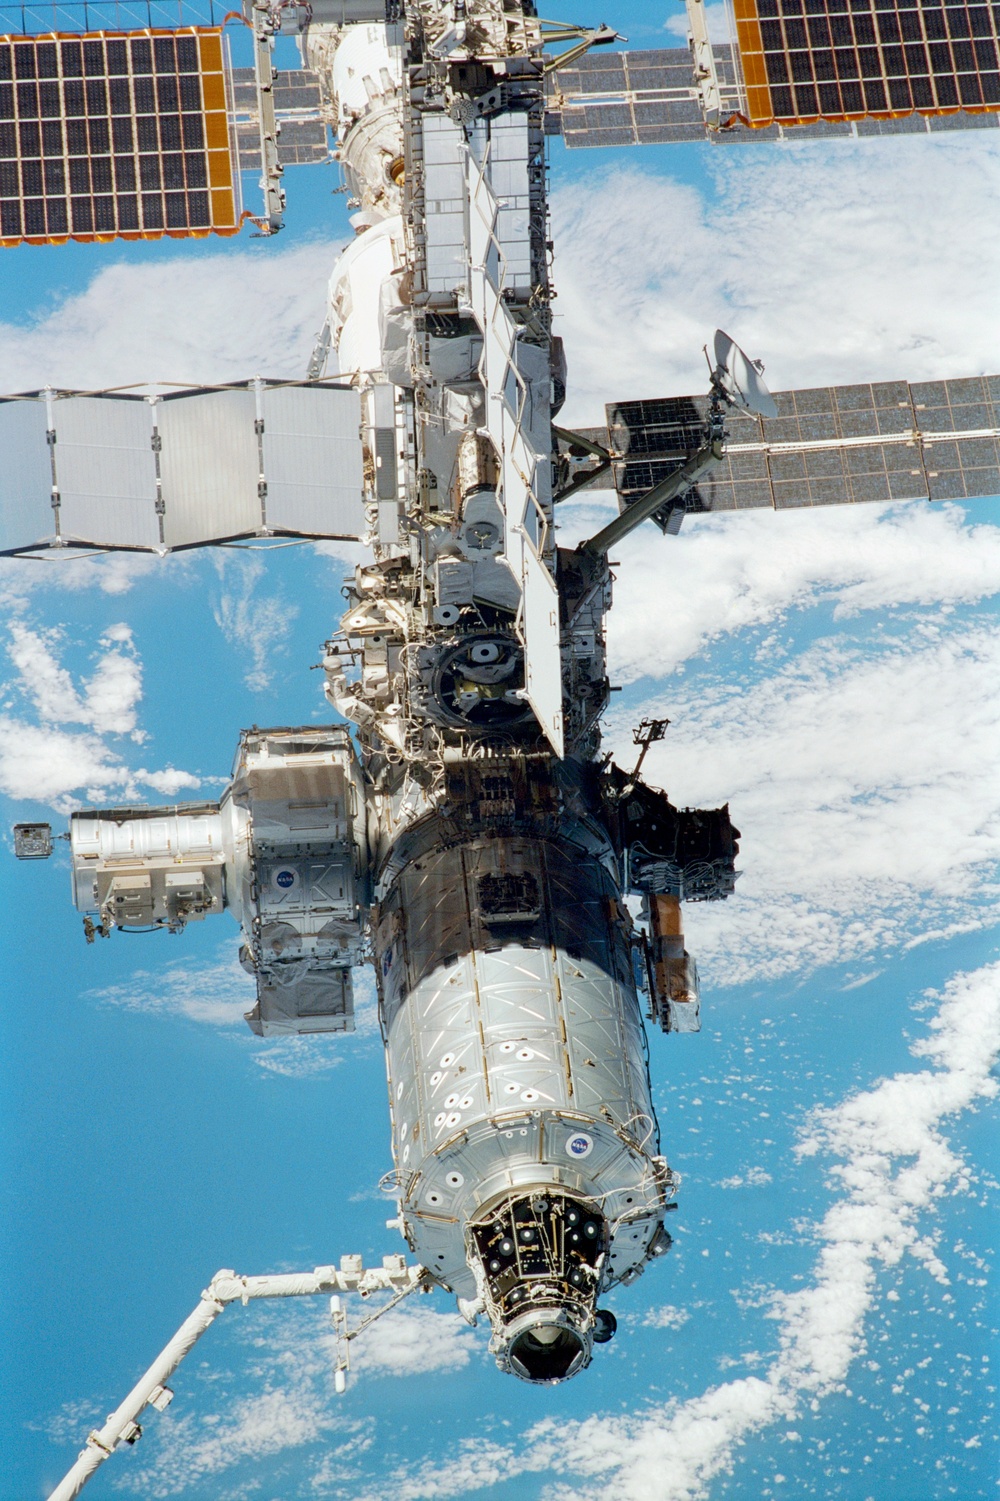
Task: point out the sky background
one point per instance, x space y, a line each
825 1324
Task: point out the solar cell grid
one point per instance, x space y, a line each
299 144
814 452
846 59
301 139
628 98
114 135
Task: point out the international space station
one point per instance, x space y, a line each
457 826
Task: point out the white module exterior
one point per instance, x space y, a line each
480 1073
515 1049
374 261
146 866
286 851
366 72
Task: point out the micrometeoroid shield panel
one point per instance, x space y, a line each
851 59
111 135
514 1041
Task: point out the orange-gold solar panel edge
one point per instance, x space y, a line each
225 217
218 140
750 44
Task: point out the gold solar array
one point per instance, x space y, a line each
809 60
111 135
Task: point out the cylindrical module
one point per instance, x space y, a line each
523 1130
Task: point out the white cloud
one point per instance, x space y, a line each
716 19
414 1340
724 574
22 579
290 1357
106 702
665 1317
283 1400
257 624
832 262
890 1162
168 782
189 1449
46 762
72 1420
46 765
848 771
201 320
296 1057
754 1177
218 993
478 1465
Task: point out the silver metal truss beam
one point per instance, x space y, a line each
706 72
669 489
264 75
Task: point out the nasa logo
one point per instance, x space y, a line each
284 879
579 1145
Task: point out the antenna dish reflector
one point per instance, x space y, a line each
740 379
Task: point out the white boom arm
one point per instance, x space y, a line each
225 1287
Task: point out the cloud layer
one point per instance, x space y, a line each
216 318
832 262
256 623
219 993
41 757
863 776
288 1359
727 573
105 702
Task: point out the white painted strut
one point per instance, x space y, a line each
225 1287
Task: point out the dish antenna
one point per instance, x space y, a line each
739 378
